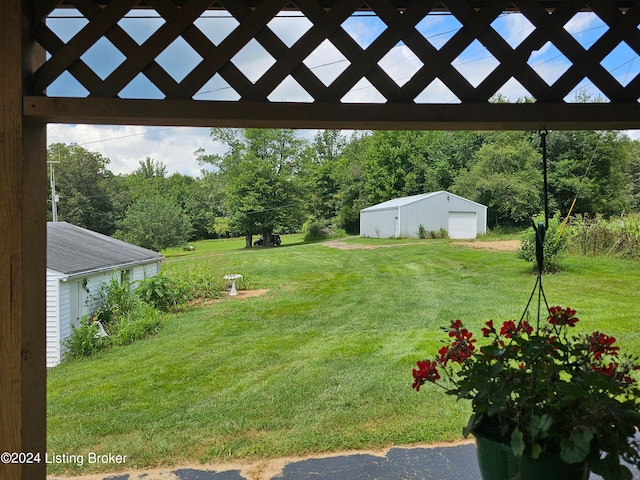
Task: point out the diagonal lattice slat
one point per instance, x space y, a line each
364 63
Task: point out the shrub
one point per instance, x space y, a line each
115 299
83 342
162 292
422 232
555 246
321 230
316 230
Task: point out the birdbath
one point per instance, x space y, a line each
233 277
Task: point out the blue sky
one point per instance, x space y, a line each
127 145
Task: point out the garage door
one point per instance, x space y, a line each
462 225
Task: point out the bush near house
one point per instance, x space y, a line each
126 318
163 292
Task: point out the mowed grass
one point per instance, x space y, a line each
321 362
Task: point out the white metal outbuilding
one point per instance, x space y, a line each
402 217
79 261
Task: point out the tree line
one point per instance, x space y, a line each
275 180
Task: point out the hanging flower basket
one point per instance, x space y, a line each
542 392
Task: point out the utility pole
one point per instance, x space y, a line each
54 196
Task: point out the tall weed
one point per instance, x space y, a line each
202 280
599 236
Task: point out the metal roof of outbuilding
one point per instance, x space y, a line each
402 201
74 250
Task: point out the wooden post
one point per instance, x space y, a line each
22 252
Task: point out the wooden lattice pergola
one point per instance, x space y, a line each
33 57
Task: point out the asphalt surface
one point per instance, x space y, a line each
439 463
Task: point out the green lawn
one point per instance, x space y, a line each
322 362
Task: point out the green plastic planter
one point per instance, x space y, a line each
497 462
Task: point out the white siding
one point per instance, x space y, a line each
426 212
52 327
142 272
379 223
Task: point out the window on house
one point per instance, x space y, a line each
125 275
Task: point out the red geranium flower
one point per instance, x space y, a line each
426 371
562 316
508 329
489 329
601 344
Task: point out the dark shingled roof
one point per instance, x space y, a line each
73 250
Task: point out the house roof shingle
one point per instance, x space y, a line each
74 250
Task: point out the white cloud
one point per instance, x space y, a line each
127 145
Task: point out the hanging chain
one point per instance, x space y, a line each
541 229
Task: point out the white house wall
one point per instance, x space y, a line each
53 326
379 223
142 272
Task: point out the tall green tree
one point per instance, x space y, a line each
506 177
261 175
634 176
592 166
155 222
81 182
349 175
397 164
402 163
322 161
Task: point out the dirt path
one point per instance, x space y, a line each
497 245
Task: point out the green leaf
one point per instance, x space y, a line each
474 420
540 425
576 448
517 443
536 451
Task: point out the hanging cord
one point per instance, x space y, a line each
573 204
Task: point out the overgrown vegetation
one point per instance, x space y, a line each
163 292
203 280
424 234
123 315
595 235
321 230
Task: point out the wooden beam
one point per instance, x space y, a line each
401 4
22 251
531 116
